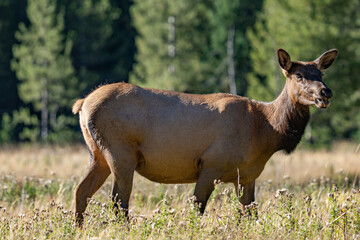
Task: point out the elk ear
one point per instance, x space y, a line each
326 59
284 59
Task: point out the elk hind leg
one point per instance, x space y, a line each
121 191
96 176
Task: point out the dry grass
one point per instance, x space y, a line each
44 161
304 165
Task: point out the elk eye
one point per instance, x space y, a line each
298 76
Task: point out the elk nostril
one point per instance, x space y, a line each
326 93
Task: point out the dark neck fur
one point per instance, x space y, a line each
288 119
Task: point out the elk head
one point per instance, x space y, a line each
304 79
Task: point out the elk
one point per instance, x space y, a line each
172 137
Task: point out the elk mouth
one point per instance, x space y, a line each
322 102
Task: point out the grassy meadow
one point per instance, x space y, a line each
306 195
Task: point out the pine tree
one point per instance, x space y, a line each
121 45
42 63
230 21
223 19
173 45
98 50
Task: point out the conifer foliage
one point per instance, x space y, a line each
42 63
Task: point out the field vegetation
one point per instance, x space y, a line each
306 195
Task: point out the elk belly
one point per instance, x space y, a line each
167 168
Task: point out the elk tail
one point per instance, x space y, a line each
77 106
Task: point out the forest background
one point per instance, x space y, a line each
55 51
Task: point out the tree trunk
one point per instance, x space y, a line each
171 48
44 111
52 118
230 60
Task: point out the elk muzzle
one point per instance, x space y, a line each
323 102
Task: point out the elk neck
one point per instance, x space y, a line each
287 119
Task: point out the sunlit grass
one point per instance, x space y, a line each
37 202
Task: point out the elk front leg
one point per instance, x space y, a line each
204 187
248 194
